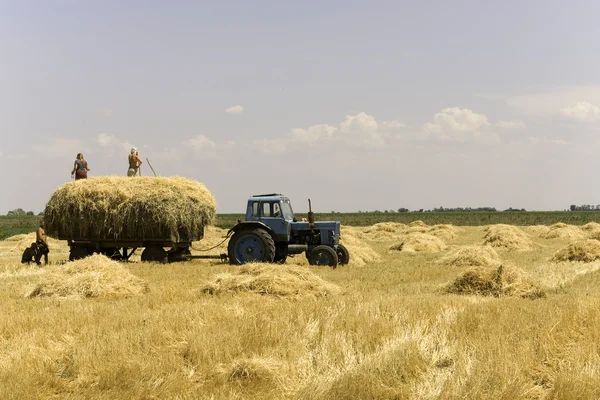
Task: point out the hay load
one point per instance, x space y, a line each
563 231
130 208
94 276
496 282
419 243
508 237
585 251
272 280
471 256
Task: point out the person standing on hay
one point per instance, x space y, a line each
134 162
41 245
80 168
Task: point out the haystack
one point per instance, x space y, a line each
443 231
94 276
361 253
563 231
591 230
496 282
123 207
271 279
508 237
471 256
418 223
383 231
419 243
585 250
385 227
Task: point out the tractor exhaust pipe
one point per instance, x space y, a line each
311 216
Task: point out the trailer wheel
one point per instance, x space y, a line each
323 255
251 246
78 252
154 254
343 254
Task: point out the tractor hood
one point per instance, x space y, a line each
320 225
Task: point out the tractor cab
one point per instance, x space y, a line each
275 211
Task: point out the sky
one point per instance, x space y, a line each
357 105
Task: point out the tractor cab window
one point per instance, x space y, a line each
266 210
255 209
276 210
271 210
288 213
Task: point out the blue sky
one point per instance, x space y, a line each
357 105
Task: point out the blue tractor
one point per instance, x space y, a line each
271 232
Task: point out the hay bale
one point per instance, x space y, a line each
94 276
505 280
361 253
123 208
585 251
271 279
563 231
419 243
416 229
471 256
508 237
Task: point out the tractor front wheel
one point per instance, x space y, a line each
254 245
343 254
323 255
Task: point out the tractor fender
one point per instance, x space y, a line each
250 225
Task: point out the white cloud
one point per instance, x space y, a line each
512 124
237 109
582 111
107 113
313 133
1 153
360 130
270 146
560 142
460 125
201 143
112 143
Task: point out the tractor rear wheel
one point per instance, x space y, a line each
78 252
343 254
254 245
154 254
323 255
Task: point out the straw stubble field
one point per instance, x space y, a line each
421 312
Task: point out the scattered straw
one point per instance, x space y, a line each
271 279
123 207
471 256
585 250
496 282
419 243
94 276
563 231
508 237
